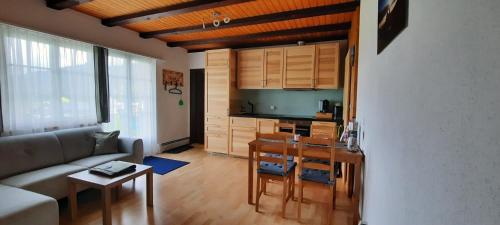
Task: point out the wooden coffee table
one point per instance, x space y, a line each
106 184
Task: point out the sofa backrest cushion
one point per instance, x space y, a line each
24 153
77 143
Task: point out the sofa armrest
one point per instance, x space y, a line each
132 145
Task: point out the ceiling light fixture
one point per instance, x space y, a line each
216 18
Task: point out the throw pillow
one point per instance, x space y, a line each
106 142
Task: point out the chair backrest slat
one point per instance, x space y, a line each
315 166
272 143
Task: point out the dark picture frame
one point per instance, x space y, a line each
392 20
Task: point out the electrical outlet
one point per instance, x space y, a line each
272 107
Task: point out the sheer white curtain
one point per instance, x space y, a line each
132 93
47 82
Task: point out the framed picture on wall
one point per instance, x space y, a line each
392 20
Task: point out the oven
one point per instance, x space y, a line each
302 127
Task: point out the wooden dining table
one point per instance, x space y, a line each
342 154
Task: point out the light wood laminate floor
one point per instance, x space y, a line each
212 189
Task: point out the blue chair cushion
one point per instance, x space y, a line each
275 168
274 155
319 176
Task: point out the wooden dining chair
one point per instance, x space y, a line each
323 131
287 129
274 168
327 131
315 171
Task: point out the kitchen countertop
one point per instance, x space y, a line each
281 117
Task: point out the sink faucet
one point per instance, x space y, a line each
251 106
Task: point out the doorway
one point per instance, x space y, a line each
197 103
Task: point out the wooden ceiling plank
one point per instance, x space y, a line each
252 44
304 30
64 4
170 10
274 17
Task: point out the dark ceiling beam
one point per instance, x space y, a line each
278 33
274 17
172 10
64 4
253 44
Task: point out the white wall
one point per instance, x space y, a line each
173 121
196 60
429 106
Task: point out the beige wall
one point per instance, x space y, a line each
429 108
173 120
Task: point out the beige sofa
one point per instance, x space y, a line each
39 164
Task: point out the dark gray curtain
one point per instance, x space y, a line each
101 83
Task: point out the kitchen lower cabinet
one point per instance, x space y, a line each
242 131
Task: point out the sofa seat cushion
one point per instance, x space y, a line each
50 181
21 207
95 160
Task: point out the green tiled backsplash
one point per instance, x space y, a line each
295 103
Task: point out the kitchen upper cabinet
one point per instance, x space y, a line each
266 126
242 131
273 68
218 58
327 66
299 67
250 69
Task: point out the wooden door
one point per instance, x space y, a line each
250 69
266 126
242 132
273 68
217 91
299 66
327 66
197 107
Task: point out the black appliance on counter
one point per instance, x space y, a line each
323 106
338 111
302 127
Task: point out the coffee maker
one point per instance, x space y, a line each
323 106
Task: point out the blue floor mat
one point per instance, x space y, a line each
163 166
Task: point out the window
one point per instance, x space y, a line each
47 82
132 97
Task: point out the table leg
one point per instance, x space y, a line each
356 192
106 206
72 199
350 179
250 174
117 191
149 187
